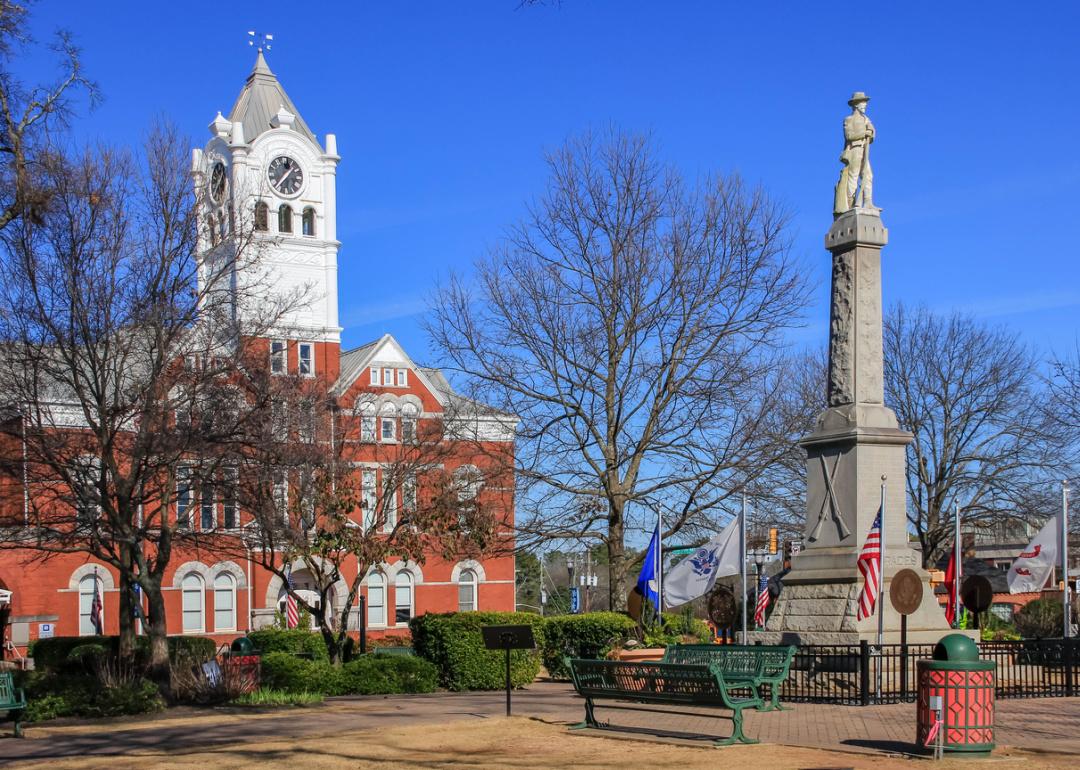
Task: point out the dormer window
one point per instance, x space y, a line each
308 222
284 219
262 217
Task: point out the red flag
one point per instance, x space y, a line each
950 585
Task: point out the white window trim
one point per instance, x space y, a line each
231 590
383 591
388 381
284 357
96 585
475 589
383 418
202 604
412 598
369 498
402 380
300 358
184 478
376 376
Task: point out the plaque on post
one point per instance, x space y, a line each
508 638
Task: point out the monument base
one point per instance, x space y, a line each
825 613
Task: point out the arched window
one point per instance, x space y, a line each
308 222
91 612
403 598
376 600
467 481
262 216
467 591
224 602
408 423
388 423
193 600
284 219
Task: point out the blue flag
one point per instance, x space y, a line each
648 580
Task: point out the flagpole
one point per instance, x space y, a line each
881 582
659 567
1065 594
957 555
742 563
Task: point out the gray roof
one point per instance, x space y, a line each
260 100
352 359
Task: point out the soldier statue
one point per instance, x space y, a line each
858 134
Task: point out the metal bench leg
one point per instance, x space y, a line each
590 717
737 733
775 688
18 724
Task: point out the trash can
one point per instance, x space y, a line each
242 666
965 685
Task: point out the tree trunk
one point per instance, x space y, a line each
158 633
616 561
126 616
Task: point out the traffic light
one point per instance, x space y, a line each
773 537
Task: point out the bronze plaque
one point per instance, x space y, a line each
976 593
905 591
722 607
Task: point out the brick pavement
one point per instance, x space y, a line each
1051 724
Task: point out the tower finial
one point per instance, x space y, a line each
264 40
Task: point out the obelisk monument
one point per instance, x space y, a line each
857 445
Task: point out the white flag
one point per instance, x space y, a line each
1032 567
694 576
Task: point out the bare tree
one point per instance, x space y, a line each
324 496
122 354
633 322
973 397
28 115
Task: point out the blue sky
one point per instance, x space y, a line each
443 109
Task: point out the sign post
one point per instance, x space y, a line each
508 638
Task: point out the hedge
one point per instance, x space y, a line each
367 675
590 635
51 695
55 653
453 642
298 641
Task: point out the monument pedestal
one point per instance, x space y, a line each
855 454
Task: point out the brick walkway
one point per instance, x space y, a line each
1050 724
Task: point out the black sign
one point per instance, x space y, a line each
976 593
508 637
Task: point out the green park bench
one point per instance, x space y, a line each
398 650
12 700
664 683
751 665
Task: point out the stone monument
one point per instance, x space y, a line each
857 445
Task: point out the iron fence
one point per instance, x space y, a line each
863 674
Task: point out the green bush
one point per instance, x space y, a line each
452 641
68 653
590 635
295 640
367 675
1040 619
382 674
50 696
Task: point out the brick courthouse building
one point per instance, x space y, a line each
264 145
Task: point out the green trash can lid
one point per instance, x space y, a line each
956 648
242 646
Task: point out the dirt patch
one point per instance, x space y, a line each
512 743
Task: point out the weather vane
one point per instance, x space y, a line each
264 39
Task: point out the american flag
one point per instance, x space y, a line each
762 601
97 616
869 565
292 614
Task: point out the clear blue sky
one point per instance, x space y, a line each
442 111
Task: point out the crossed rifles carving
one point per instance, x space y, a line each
830 505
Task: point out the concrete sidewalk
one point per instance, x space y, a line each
1049 725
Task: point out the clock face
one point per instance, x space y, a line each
285 175
217 182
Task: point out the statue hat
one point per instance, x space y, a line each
858 97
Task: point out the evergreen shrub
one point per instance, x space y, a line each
453 642
298 641
589 635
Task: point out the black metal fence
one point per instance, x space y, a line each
863 674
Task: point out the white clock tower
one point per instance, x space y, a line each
264 176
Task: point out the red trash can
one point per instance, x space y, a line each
966 687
